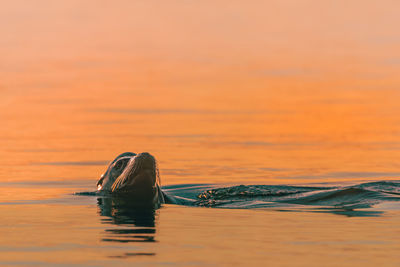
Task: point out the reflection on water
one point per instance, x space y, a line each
130 254
130 224
240 93
344 212
355 213
72 163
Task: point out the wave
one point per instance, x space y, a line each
363 195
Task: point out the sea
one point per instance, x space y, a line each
276 124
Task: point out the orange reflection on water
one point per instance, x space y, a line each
267 92
263 95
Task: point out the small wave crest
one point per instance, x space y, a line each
350 197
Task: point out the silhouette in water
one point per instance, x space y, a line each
134 224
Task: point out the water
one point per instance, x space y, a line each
83 230
250 224
275 124
266 196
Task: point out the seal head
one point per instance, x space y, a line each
139 182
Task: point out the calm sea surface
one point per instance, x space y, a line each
222 94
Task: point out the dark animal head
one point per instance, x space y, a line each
114 170
139 182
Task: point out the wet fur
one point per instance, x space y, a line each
115 169
133 178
